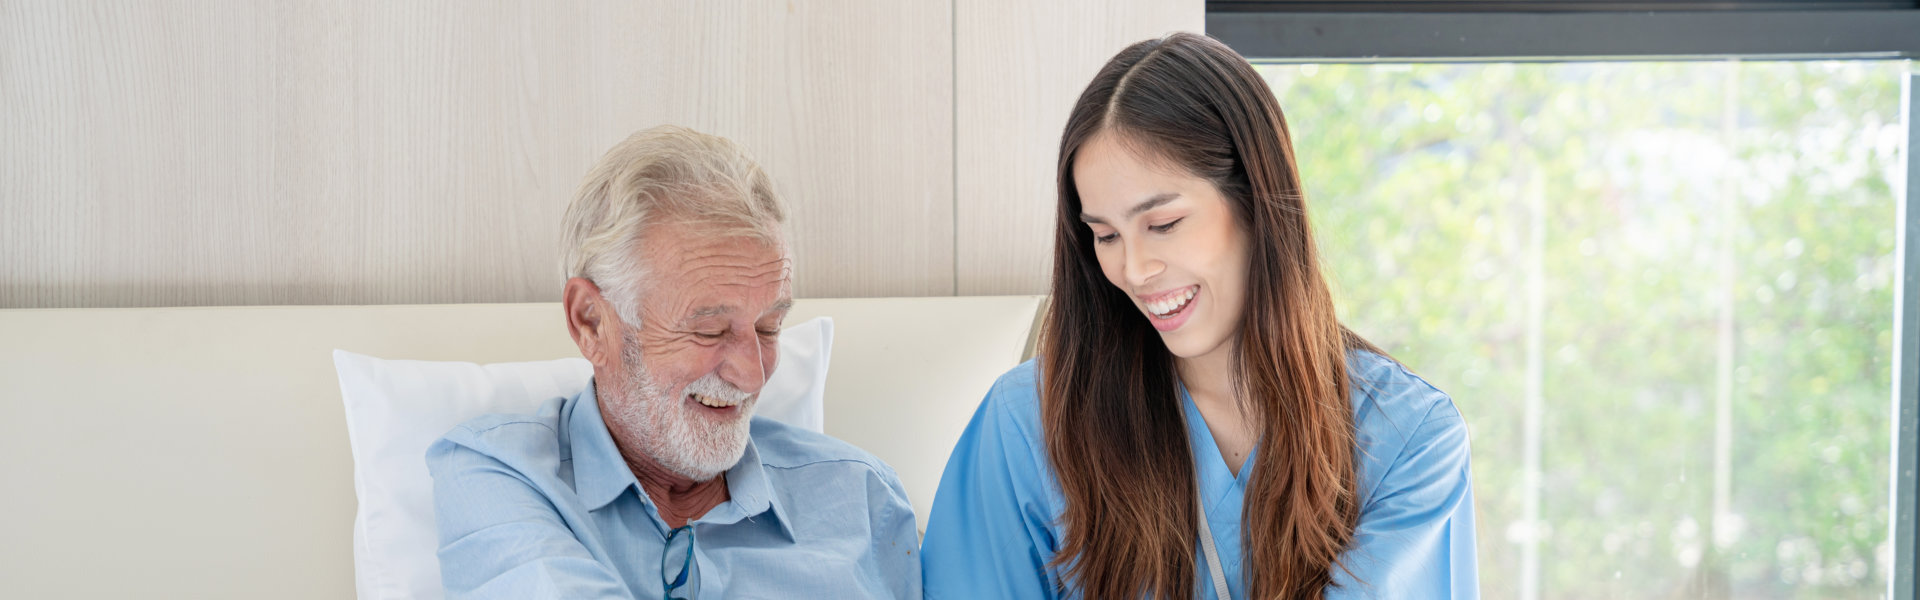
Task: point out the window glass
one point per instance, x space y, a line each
1661 293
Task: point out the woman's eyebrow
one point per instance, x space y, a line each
1145 205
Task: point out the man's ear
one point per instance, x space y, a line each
591 321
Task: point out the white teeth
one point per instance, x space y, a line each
710 401
1164 307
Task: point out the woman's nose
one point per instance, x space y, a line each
1141 265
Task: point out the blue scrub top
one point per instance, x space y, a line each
995 521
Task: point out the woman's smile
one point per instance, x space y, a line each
1169 310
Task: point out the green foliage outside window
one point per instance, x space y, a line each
1644 183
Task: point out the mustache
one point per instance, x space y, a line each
712 386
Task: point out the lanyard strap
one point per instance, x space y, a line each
1212 557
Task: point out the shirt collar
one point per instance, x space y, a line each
601 475
751 493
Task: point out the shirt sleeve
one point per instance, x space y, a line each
500 537
1416 533
988 535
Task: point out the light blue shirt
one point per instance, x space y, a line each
995 522
542 506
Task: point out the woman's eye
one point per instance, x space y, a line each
1106 239
1167 227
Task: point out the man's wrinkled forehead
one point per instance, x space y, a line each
717 269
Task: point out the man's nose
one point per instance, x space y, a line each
741 364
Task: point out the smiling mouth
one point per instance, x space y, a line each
711 402
1167 307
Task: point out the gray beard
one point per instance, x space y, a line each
667 429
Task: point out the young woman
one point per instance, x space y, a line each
1197 415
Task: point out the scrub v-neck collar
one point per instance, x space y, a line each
1216 481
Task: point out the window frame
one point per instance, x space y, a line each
1906 357
1561 36
1279 33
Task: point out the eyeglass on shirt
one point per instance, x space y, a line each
673 578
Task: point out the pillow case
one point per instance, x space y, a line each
396 408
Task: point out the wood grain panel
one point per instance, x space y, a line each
849 105
1019 67
307 152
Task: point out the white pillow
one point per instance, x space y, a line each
396 408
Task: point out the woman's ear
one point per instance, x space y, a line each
590 321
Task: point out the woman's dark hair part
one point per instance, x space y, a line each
1109 405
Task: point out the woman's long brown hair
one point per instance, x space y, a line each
1113 422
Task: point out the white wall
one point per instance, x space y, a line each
371 152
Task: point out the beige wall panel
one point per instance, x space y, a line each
849 105
132 137
1019 67
371 152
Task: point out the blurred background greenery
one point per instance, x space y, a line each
1661 293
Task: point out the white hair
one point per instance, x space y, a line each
662 174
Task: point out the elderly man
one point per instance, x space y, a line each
655 481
